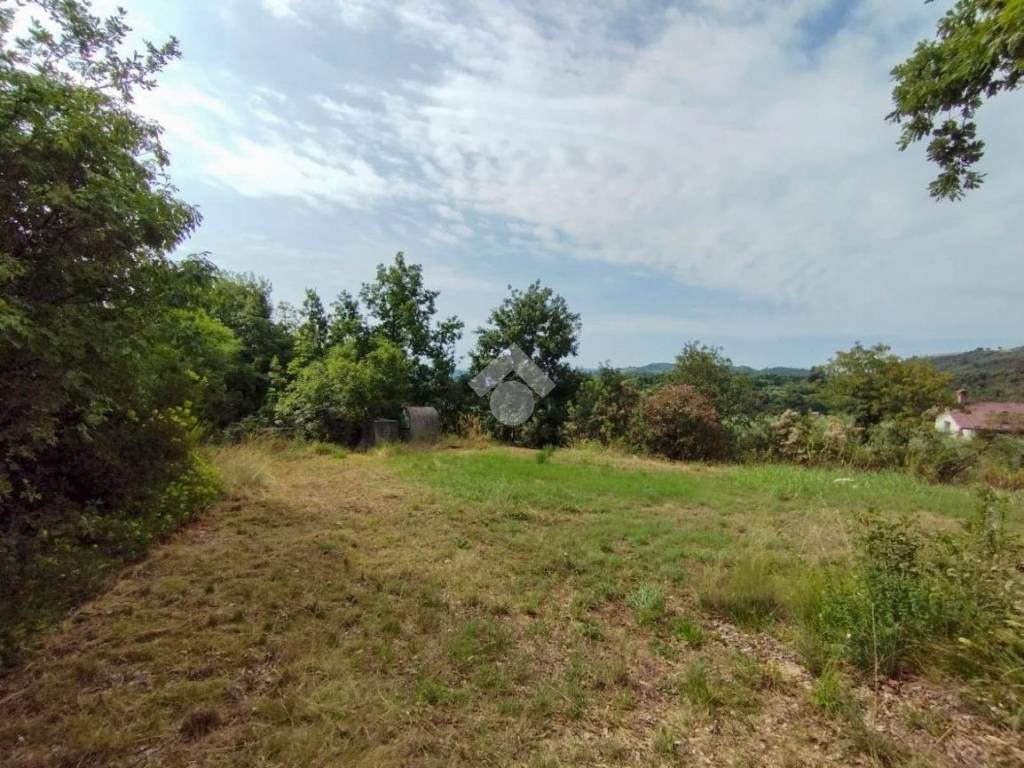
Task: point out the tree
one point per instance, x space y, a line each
347 322
978 52
199 292
89 217
311 334
872 384
539 321
604 408
678 422
332 398
402 310
711 373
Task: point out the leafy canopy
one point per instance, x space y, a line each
89 216
872 384
978 52
711 373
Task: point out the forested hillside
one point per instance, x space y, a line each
989 374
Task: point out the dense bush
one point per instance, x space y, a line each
604 408
872 385
331 399
939 457
89 216
678 422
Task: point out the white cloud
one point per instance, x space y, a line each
282 9
714 143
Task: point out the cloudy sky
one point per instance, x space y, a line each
712 169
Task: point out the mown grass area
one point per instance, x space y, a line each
457 607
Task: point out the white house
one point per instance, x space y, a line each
967 419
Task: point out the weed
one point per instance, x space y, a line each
688 631
749 592
648 604
244 468
914 598
434 692
479 640
832 694
665 742
545 454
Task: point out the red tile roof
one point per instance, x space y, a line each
995 417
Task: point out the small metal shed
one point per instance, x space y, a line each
381 431
420 423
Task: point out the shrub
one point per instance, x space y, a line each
914 597
814 439
939 458
678 422
603 409
330 399
749 439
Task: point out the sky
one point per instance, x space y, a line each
709 169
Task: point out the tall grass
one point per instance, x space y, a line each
244 468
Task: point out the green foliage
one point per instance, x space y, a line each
89 216
689 632
332 398
604 408
401 311
711 373
544 454
939 457
978 52
311 337
648 603
987 374
678 422
540 322
833 694
813 439
748 592
916 598
872 384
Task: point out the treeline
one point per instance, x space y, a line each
865 408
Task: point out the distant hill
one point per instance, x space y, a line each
650 368
779 370
655 368
987 374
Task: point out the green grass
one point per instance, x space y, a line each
455 607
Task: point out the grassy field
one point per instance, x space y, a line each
490 607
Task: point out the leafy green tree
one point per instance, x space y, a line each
872 384
541 323
333 397
195 359
401 311
978 52
240 304
311 335
89 217
711 373
347 322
